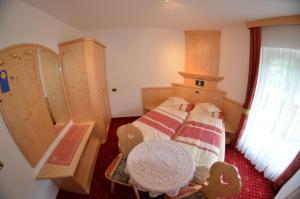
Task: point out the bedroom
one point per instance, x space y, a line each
145 48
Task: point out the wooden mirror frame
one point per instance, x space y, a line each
24 108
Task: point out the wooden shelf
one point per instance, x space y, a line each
200 76
199 88
52 171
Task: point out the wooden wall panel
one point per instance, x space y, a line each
153 96
233 112
96 76
24 108
75 79
194 95
202 52
156 95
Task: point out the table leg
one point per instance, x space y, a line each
136 192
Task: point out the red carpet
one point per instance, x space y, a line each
253 183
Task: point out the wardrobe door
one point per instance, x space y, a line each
75 78
107 114
98 87
85 79
99 52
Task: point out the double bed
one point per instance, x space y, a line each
198 128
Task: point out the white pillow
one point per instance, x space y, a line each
208 107
174 101
177 100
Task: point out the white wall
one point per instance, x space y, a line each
21 23
234 61
139 57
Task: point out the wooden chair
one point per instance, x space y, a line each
116 174
224 181
129 136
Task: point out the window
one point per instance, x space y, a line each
271 138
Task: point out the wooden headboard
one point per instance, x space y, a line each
153 96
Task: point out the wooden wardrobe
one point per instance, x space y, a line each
83 65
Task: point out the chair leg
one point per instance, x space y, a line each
136 192
112 187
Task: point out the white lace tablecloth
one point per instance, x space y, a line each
160 166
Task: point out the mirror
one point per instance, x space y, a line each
52 86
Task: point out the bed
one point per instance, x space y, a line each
199 128
165 120
203 135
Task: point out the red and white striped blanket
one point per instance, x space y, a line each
161 123
202 137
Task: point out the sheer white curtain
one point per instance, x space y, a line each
271 138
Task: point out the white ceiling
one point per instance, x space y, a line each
88 15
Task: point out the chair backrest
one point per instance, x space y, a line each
129 136
224 181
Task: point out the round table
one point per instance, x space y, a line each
160 166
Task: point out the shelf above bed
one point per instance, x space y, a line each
200 76
199 88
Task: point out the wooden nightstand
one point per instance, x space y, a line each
230 132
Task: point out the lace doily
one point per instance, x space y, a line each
160 166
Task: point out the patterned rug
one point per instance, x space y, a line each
254 185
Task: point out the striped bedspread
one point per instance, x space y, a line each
201 136
161 123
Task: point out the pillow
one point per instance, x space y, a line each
209 107
178 103
220 115
186 107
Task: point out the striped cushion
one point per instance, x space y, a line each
116 170
64 152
